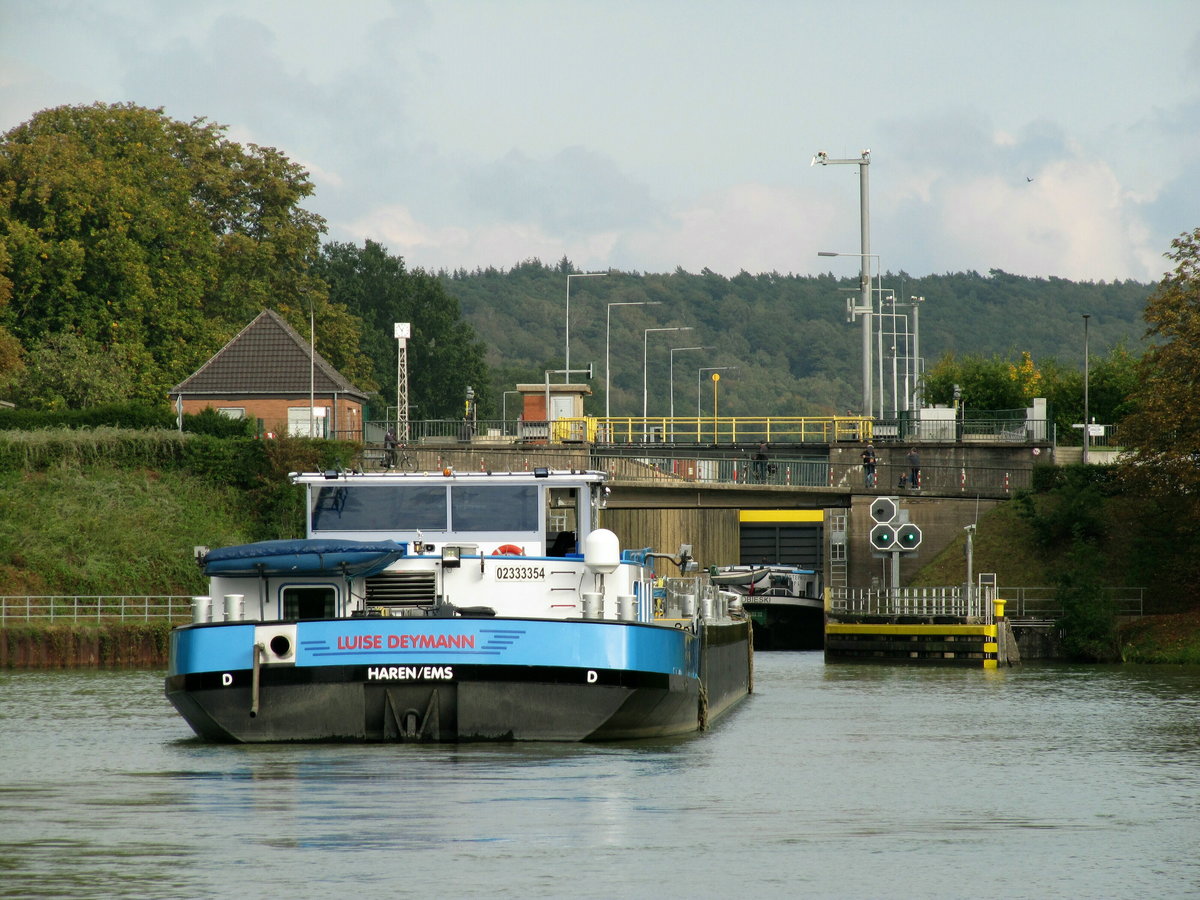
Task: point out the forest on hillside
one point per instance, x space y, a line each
785 338
134 246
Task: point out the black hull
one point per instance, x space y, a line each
487 703
786 627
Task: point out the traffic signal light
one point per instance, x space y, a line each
883 536
885 509
908 536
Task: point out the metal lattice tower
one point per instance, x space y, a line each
403 331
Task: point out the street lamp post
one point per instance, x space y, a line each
607 329
312 370
700 381
567 341
863 163
671 371
918 392
864 309
645 355
1087 428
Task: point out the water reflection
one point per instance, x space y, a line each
839 781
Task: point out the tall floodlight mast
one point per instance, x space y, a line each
822 159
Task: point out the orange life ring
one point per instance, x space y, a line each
508 550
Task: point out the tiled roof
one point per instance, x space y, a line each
266 357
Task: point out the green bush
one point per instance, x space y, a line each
1089 622
114 415
209 421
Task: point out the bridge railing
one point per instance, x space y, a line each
97 608
783 470
991 481
729 469
692 430
708 430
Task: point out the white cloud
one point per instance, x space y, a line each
1071 221
748 226
459 135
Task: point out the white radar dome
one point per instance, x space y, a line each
602 551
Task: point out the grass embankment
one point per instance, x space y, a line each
1173 638
105 531
1003 543
117 511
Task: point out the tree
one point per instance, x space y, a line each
444 354
152 239
1164 428
984 384
66 371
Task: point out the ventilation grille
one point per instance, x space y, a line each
401 588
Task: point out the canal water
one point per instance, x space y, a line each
831 781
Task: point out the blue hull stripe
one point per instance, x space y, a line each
525 642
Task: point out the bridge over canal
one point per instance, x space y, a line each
806 504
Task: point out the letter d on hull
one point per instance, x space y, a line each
592 676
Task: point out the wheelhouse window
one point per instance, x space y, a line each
389 508
461 508
506 508
309 602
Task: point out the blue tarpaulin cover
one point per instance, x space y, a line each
303 557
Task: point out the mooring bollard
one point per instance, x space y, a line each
626 607
235 607
593 605
201 610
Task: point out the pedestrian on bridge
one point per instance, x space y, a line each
869 459
389 449
914 465
760 463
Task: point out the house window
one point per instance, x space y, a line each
232 412
299 421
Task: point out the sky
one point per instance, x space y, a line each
1040 138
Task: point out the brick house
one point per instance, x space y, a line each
268 373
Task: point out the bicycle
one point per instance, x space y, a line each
396 457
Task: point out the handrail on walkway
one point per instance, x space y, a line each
94 608
1022 605
1039 602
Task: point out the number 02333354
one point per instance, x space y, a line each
520 573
